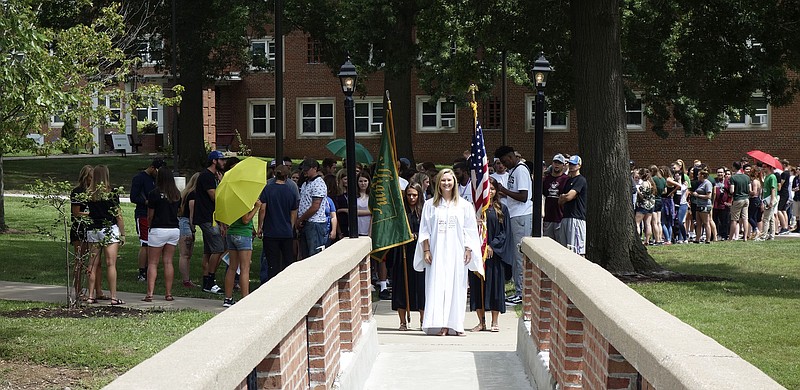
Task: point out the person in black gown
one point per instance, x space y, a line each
403 267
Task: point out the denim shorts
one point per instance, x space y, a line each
239 243
186 228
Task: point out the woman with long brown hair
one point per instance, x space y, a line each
162 217
187 229
409 284
106 231
77 232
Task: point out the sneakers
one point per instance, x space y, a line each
385 295
513 300
189 284
214 289
141 278
783 232
228 302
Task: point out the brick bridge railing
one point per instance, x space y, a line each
583 328
310 327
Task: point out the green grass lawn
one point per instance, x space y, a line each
755 312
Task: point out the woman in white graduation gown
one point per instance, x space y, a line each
448 247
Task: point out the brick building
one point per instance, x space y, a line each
314 115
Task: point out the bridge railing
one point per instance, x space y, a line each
589 330
292 330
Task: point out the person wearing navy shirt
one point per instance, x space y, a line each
573 202
278 213
142 184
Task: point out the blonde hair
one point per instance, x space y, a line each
190 186
85 177
99 178
437 195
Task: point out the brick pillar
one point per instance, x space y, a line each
605 367
566 341
286 366
527 288
323 340
350 309
540 310
365 277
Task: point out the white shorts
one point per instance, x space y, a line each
573 234
158 237
104 236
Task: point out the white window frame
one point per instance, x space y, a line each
153 108
106 101
56 120
318 118
635 127
270 54
766 118
530 111
375 124
269 106
147 42
439 114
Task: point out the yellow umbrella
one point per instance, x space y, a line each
239 189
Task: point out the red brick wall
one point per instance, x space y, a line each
316 80
349 309
323 340
286 367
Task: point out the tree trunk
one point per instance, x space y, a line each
612 241
3 226
397 79
191 57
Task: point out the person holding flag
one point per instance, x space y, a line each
489 293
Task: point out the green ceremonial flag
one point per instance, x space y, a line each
389 221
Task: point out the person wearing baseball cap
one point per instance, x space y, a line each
141 185
552 188
573 202
204 206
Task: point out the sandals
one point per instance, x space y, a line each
443 332
495 328
478 328
91 300
169 298
460 334
116 302
147 298
403 327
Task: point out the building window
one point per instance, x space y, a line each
634 113
149 113
263 51
114 108
557 121
149 49
436 116
369 116
316 117
740 119
262 118
492 113
57 119
314 51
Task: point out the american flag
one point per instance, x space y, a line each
479 173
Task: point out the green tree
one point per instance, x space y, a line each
48 68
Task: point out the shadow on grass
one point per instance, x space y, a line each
740 282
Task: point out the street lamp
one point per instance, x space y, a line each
348 77
541 69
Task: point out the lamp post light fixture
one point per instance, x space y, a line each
541 69
348 78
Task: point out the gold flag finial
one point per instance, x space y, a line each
472 89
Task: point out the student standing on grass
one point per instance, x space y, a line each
141 185
162 217
276 218
769 197
739 188
106 232
205 197
239 240
187 229
77 232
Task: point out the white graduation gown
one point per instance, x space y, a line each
449 228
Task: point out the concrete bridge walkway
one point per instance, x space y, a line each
411 359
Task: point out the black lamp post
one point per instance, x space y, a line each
541 68
347 77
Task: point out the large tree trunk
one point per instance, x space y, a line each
602 137
3 226
397 79
191 57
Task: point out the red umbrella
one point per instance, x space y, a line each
766 158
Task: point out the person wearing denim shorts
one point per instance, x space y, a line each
239 240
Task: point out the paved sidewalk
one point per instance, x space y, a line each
411 359
16 291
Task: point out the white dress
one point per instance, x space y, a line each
449 227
